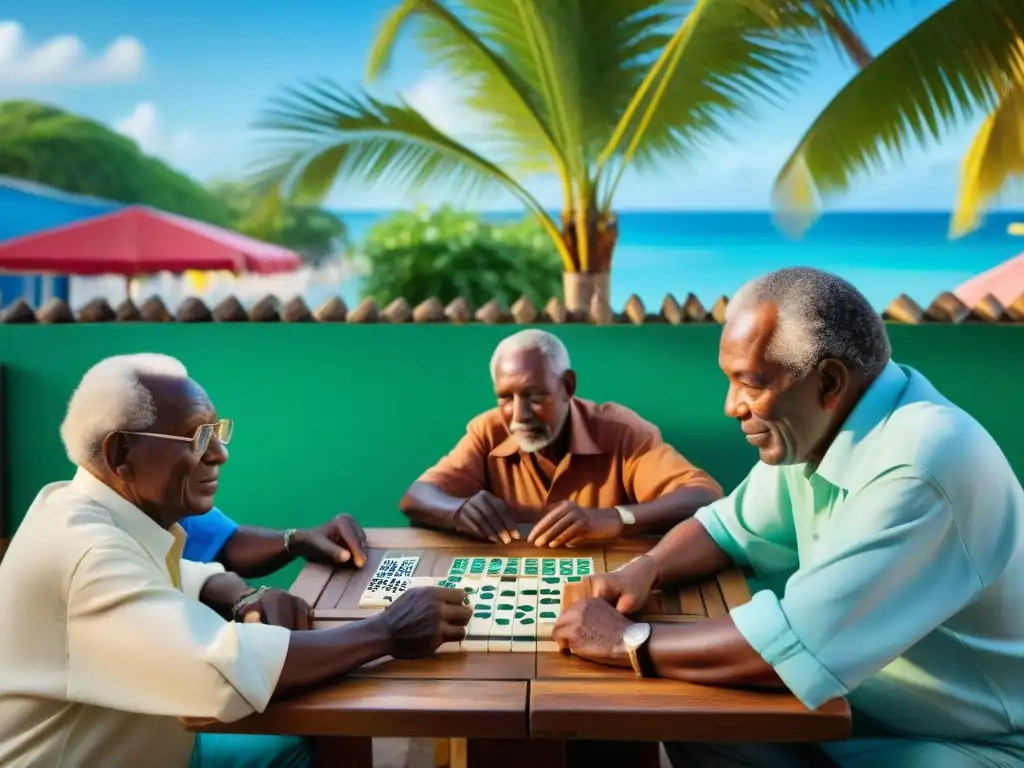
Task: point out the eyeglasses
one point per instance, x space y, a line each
201 439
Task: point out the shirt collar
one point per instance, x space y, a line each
129 518
874 407
581 435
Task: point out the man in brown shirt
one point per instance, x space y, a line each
580 471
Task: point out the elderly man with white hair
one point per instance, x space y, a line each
899 520
108 637
578 471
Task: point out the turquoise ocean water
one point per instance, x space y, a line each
711 254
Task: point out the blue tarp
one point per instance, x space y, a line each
26 208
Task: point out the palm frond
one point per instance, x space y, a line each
458 42
320 133
995 157
383 46
581 60
922 87
332 134
832 19
724 60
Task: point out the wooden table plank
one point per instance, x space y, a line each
494 699
397 708
667 710
454 666
311 581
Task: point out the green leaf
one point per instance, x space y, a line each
926 85
468 256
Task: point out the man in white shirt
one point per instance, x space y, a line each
108 638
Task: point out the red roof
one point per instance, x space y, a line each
139 240
1004 281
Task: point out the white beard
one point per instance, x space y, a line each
530 444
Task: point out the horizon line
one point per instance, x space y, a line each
620 211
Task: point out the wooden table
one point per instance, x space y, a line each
515 707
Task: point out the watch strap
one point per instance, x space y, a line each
625 516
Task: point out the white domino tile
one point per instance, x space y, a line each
499 638
483 601
524 625
516 600
549 606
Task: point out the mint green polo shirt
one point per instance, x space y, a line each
907 586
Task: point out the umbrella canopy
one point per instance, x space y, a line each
137 241
1004 281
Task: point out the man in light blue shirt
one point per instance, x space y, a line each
898 519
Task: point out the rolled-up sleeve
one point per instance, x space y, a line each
194 576
754 524
137 644
463 471
894 569
653 468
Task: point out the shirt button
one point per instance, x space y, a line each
815 537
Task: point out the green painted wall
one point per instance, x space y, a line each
333 418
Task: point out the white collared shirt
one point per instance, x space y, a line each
100 654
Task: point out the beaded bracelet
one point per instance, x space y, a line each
245 601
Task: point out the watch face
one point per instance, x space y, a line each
636 635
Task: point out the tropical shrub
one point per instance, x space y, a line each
448 253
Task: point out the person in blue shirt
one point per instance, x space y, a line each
252 552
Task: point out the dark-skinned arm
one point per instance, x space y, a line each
667 488
686 554
253 552
711 652
437 494
221 591
319 655
431 507
661 514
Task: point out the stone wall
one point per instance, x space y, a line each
945 308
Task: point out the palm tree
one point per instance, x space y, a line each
964 60
580 90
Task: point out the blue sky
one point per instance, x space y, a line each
194 75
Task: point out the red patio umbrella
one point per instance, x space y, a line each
137 241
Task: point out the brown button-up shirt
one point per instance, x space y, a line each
615 457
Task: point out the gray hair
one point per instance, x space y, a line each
533 340
111 397
820 315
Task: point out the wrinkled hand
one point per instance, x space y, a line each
423 618
485 516
627 589
568 524
340 540
279 608
592 629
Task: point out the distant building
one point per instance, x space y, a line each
26 208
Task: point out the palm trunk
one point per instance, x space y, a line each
579 288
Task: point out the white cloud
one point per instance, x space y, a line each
63 60
143 126
441 101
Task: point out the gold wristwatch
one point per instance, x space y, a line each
636 639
